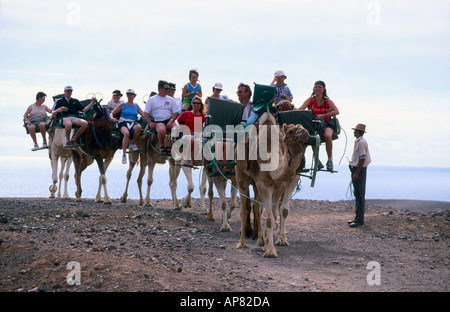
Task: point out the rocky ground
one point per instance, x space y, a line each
130 248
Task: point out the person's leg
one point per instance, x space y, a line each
43 131
82 124
67 123
32 130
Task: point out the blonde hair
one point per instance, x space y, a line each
201 101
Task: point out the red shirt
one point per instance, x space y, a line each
188 118
316 109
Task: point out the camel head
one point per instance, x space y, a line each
295 135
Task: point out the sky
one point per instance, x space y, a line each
385 63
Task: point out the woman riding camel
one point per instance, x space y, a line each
194 120
127 123
322 109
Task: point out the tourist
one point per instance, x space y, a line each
217 89
160 113
128 125
282 91
194 120
191 89
323 108
115 100
71 109
35 118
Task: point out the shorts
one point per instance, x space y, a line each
36 124
71 118
130 126
164 121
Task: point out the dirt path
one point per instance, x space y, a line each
126 247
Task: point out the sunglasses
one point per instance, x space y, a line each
167 89
197 103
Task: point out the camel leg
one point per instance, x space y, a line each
205 178
139 181
190 187
123 198
257 230
233 197
103 181
284 211
174 172
53 188
266 198
80 164
243 190
66 177
151 167
61 175
221 184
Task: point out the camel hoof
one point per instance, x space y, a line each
123 200
148 204
210 217
78 200
177 208
187 204
225 228
282 242
270 253
242 245
52 196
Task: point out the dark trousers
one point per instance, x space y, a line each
359 190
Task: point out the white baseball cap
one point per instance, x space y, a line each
218 85
280 73
68 88
131 91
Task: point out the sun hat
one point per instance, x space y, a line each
117 92
360 127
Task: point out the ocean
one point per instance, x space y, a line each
31 177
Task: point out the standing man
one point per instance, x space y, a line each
358 168
282 91
70 109
160 113
244 94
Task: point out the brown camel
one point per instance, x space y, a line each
99 145
274 177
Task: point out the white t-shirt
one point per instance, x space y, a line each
161 107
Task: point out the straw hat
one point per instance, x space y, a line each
360 127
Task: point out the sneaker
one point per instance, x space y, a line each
35 148
319 165
124 159
133 146
44 145
330 165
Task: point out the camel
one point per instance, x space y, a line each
99 145
153 157
57 141
220 182
272 186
